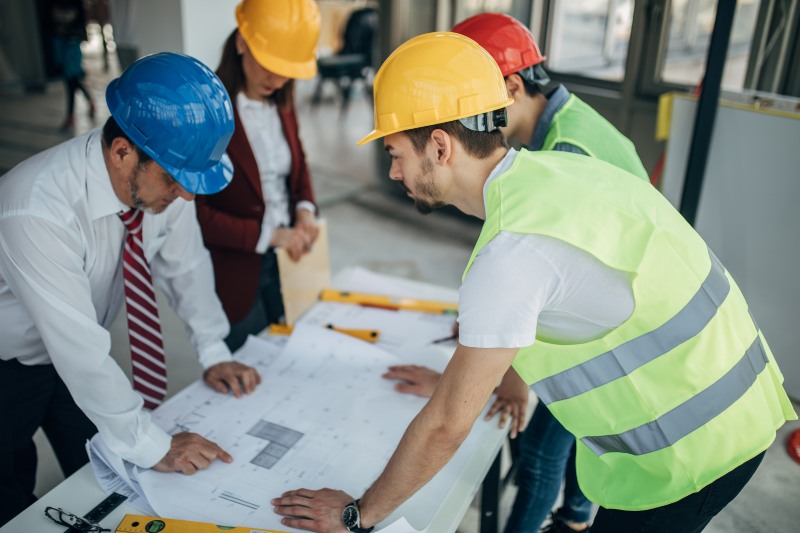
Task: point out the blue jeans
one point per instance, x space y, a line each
546 458
267 308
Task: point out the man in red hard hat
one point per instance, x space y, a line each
544 118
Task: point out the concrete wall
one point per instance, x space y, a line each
194 27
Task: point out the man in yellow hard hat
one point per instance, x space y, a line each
543 116
597 291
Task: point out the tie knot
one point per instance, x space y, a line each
132 220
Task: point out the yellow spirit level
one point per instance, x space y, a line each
151 524
389 302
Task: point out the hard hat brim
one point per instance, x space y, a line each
209 181
296 71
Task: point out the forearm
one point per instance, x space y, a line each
191 295
182 267
438 430
424 449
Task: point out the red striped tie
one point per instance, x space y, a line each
144 330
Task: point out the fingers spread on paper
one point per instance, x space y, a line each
511 401
313 510
414 379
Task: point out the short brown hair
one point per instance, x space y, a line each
478 144
111 131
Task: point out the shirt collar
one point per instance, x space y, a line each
100 195
501 167
243 102
555 101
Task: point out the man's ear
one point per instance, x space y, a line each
121 152
515 86
443 146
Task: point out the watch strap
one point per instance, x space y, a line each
358 528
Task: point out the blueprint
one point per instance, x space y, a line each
304 426
322 417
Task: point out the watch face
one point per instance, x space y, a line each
350 516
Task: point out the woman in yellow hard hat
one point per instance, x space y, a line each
270 202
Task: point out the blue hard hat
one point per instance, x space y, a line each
178 112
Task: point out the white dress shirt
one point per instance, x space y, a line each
61 285
521 286
264 130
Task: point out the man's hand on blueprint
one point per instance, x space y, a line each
314 510
414 379
232 376
189 452
511 395
511 401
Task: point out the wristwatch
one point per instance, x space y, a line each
351 516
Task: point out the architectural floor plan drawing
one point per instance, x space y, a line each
322 417
291 432
279 440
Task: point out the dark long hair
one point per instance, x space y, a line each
231 74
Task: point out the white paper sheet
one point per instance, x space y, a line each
322 416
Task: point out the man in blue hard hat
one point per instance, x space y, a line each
86 226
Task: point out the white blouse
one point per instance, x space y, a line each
264 130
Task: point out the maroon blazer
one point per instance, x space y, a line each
231 219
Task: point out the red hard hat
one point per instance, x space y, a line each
505 38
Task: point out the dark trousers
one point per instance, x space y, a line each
689 515
32 397
267 308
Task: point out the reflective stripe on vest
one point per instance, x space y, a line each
626 358
657 404
690 415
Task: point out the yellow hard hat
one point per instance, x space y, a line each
435 78
282 35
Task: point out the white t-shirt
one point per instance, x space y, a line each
521 286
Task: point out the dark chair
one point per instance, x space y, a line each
354 61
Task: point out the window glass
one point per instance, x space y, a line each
690 23
590 38
518 9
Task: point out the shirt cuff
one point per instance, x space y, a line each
150 443
215 353
308 206
266 235
496 341
153 450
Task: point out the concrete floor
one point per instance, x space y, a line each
368 227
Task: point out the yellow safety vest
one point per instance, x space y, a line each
579 125
686 389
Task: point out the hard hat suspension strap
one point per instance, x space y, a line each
535 74
487 122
